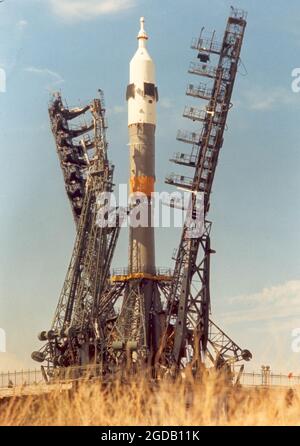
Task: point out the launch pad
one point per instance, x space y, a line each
142 317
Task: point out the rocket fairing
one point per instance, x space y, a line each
141 92
142 96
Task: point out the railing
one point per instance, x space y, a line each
21 378
202 70
206 44
180 180
160 271
184 158
194 113
201 91
188 137
208 71
34 378
238 13
269 380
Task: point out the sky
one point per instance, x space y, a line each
78 46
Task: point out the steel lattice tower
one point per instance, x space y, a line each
142 316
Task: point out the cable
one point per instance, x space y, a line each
244 66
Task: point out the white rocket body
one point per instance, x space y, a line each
142 96
142 108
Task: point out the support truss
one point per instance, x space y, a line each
188 329
87 298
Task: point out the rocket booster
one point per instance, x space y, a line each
142 96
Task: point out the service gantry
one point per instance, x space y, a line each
138 318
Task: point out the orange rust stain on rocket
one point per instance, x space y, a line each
142 184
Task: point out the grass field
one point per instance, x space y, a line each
169 403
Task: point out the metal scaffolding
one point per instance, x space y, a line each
128 318
86 301
190 335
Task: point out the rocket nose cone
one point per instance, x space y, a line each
142 35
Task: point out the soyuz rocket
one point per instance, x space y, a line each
142 96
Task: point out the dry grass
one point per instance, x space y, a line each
170 403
